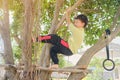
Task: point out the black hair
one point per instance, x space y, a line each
83 18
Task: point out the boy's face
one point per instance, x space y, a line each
78 23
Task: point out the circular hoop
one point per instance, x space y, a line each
106 67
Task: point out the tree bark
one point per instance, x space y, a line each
5 33
26 35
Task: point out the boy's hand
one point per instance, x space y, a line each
33 39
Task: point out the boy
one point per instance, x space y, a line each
74 42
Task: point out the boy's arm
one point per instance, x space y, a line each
68 16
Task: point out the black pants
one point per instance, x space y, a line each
59 46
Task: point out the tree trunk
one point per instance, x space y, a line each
5 33
26 35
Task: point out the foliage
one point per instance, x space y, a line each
99 21
17 53
17 9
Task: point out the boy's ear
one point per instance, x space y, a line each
83 25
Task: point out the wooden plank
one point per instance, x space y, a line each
69 69
64 70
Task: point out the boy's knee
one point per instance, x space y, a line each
70 54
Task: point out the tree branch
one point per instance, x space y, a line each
115 19
89 10
58 6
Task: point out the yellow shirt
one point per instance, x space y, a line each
76 38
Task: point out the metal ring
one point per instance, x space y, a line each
113 64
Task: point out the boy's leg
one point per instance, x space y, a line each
66 51
51 38
53 54
64 48
58 49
